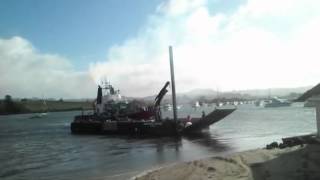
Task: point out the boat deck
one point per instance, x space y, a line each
91 124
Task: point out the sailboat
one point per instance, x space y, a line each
44 111
196 105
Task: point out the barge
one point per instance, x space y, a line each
113 114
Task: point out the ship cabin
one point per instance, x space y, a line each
108 100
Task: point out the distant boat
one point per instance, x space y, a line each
203 104
276 102
259 103
219 104
38 115
196 104
43 113
167 107
235 103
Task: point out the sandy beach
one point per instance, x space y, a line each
292 163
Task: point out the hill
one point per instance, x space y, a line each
35 106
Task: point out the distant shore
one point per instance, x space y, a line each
37 106
298 162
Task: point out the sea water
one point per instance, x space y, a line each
44 148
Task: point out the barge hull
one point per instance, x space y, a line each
90 125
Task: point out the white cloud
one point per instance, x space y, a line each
24 72
180 7
261 44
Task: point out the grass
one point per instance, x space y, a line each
33 106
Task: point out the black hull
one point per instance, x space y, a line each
167 128
94 125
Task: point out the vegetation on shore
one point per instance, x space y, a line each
10 106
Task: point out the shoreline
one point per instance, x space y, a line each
35 112
295 162
40 106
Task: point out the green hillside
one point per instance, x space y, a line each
33 106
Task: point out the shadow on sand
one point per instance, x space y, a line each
302 164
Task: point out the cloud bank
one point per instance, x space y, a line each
25 72
261 44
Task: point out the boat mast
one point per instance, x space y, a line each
173 85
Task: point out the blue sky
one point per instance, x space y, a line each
64 48
77 29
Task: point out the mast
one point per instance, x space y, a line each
173 85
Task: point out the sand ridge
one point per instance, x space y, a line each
294 163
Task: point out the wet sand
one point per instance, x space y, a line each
293 163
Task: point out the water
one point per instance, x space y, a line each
44 148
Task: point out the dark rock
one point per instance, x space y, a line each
211 169
272 145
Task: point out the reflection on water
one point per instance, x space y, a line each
44 148
208 140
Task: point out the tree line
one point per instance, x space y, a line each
8 106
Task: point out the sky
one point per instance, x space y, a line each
65 48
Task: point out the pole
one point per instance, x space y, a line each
173 85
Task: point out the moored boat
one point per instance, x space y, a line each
276 102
